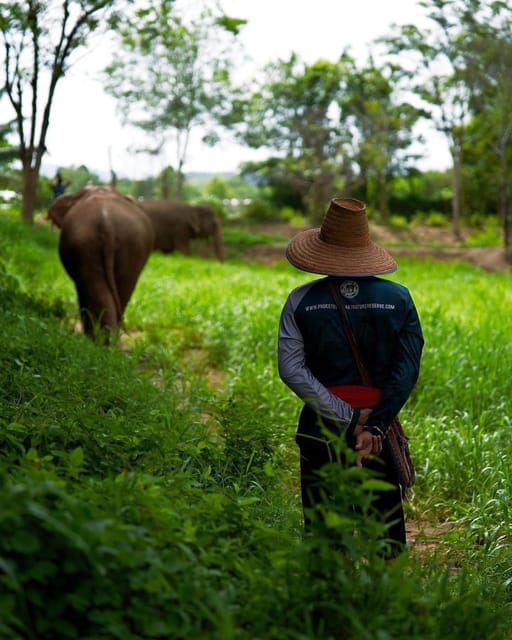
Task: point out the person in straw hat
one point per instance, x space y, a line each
316 361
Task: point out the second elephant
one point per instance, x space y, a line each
177 223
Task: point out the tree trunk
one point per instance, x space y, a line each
166 190
506 228
179 184
318 196
504 205
29 190
383 198
457 181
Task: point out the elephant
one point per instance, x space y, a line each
105 241
177 223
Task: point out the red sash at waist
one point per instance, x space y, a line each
357 396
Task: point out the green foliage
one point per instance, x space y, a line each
487 236
431 219
384 125
458 67
259 211
39 41
218 188
171 74
419 192
399 222
8 153
295 112
150 491
293 216
235 236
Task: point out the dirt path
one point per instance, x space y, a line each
425 539
424 239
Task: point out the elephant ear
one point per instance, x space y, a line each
193 222
60 207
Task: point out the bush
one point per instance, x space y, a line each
258 211
486 237
399 222
431 219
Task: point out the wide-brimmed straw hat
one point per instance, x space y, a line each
342 245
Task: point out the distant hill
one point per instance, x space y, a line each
200 177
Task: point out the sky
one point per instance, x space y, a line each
85 128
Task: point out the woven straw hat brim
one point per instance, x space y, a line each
308 252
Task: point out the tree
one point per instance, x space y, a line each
435 69
39 40
171 76
437 59
294 111
334 126
383 129
489 61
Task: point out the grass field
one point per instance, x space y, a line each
150 490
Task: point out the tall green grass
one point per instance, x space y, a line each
151 490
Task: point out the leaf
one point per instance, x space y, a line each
25 542
76 458
9 571
334 520
374 484
230 24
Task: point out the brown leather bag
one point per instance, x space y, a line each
398 448
395 440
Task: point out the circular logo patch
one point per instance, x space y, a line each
349 289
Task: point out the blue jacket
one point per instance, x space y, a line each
313 353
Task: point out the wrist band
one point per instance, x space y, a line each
375 431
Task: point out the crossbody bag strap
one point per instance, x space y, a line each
394 435
363 371
349 333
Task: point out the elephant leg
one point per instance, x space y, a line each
96 304
88 322
218 244
101 308
98 310
183 246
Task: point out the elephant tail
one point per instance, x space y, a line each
109 251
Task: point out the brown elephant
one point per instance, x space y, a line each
177 223
105 241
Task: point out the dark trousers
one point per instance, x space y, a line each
315 452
